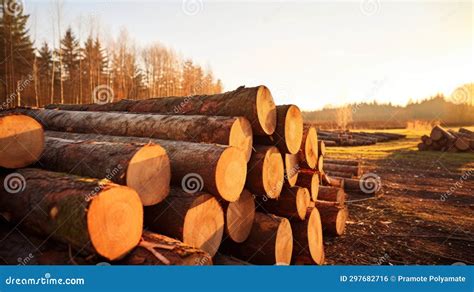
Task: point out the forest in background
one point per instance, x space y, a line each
88 71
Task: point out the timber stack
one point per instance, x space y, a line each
228 178
448 140
351 138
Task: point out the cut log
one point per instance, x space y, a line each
254 103
21 140
288 134
195 165
291 169
331 194
327 143
462 144
466 131
232 131
225 260
270 242
239 216
320 166
339 174
369 187
265 172
292 203
333 219
196 219
333 181
157 249
308 154
342 161
322 148
91 215
309 179
308 239
354 170
144 168
438 133
422 146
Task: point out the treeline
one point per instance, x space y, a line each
434 109
78 72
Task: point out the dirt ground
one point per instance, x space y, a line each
425 215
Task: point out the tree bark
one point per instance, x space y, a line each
354 170
309 179
438 133
195 165
333 219
21 140
292 203
144 168
196 219
90 215
254 103
342 162
308 239
232 131
265 172
332 194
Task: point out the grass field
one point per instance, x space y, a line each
425 215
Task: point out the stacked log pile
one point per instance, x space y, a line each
347 138
230 176
441 139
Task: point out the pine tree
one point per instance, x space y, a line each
45 66
70 60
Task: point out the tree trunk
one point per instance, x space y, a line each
339 174
333 219
90 215
239 216
342 162
322 147
270 242
265 172
292 203
309 179
308 154
333 181
196 219
288 134
327 143
195 166
220 130
462 144
308 239
438 133
332 194
254 103
291 169
144 168
21 141
354 170
357 186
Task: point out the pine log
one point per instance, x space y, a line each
462 144
467 131
339 174
144 168
327 143
293 203
239 216
291 169
354 170
333 181
196 219
357 186
332 194
438 133
157 249
333 219
308 153
342 161
309 179
195 165
270 242
308 239
265 172
320 166
232 131
422 146
225 260
91 215
288 134
254 103
21 140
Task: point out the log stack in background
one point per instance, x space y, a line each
348 138
188 159
441 139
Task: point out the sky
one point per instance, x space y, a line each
310 53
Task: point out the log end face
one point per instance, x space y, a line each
284 243
204 224
241 136
231 172
315 186
303 200
291 168
240 216
21 141
115 221
293 129
315 237
311 148
266 111
149 173
273 173
341 219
